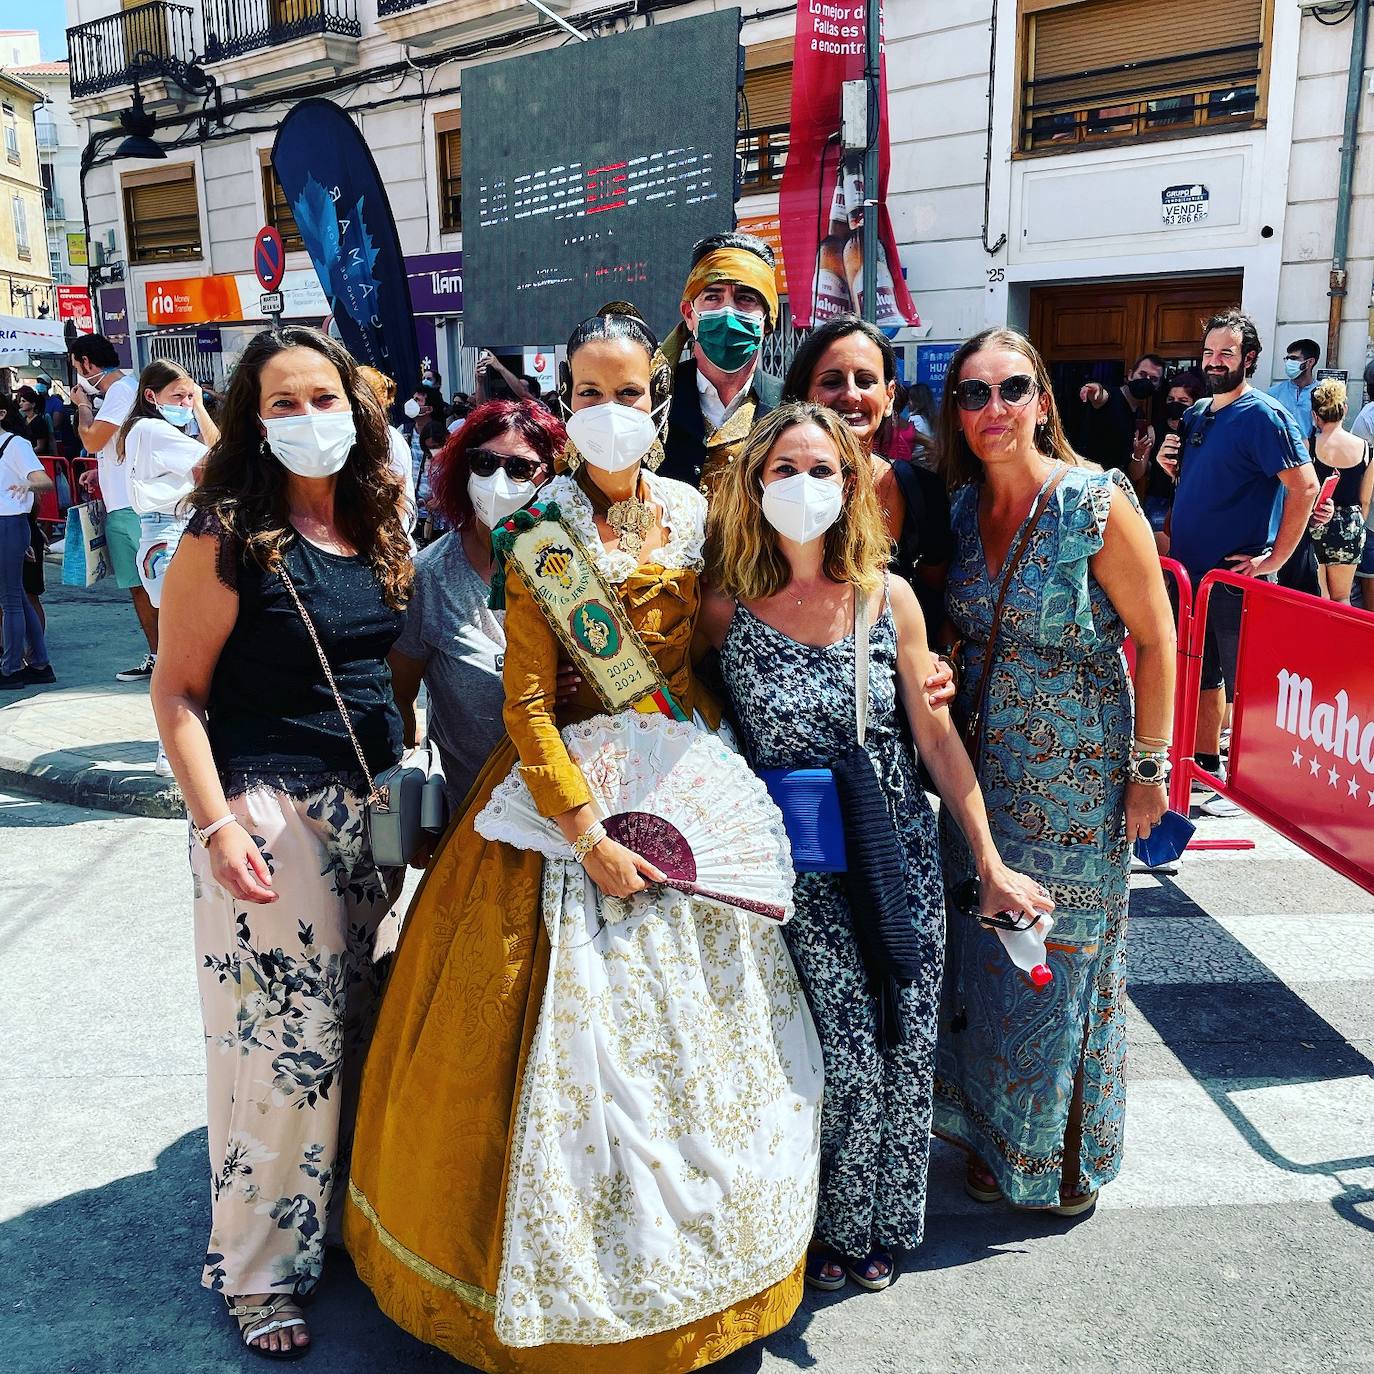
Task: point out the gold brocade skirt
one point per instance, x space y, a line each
424 1216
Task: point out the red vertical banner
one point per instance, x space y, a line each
821 204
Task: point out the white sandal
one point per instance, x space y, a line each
281 1314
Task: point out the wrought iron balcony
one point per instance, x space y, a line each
233 27
385 7
103 53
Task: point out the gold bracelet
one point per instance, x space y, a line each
588 840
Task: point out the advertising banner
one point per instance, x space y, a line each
1302 738
821 203
74 304
76 250
345 221
114 322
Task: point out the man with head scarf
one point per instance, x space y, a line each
730 302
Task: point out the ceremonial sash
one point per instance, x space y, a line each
583 610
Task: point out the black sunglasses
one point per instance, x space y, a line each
484 461
968 898
974 394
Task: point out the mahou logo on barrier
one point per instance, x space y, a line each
1303 735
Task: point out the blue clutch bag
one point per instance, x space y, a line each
1166 841
810 807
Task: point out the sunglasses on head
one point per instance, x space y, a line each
974 394
484 461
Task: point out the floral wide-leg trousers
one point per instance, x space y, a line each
289 992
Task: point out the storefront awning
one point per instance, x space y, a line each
20 337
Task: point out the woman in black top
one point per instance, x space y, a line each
298 493
850 366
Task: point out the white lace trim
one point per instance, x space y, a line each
683 510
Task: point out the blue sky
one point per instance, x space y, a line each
49 17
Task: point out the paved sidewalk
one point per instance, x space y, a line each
88 740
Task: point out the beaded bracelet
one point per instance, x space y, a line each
588 840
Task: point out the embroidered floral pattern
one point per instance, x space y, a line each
664 1160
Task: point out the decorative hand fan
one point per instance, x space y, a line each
678 796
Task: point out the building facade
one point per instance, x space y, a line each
1101 173
25 274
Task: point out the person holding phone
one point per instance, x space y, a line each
1346 468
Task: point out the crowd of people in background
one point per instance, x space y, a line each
582 1104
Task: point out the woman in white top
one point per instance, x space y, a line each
21 474
164 462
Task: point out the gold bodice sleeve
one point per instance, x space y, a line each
661 604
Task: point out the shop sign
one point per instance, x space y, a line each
76 250
192 300
74 304
436 283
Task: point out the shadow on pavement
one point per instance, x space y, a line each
109 1279
1231 1021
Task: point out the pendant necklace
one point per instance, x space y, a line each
632 519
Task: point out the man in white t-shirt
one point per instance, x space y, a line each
99 374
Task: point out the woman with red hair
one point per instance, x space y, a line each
452 641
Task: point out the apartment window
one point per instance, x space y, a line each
162 217
277 209
21 227
448 133
1103 71
11 132
768 114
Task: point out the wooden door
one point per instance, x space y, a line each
1095 332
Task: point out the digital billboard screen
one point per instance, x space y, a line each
589 171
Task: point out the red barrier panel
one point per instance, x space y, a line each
1302 727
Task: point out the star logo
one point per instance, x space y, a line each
1371 798
1297 758
1315 766
1332 777
1354 787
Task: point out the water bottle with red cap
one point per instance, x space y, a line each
1022 938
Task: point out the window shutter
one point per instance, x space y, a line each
768 94
279 213
163 219
1111 33
450 178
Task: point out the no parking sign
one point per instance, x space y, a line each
269 258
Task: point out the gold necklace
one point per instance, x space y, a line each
632 519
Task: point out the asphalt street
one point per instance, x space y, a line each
1240 1235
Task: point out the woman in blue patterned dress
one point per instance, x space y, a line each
1031 1081
795 535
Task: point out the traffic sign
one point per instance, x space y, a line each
270 303
269 258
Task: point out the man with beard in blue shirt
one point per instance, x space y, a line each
1246 488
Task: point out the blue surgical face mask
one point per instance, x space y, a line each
1292 366
180 416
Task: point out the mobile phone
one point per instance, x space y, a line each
1328 488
